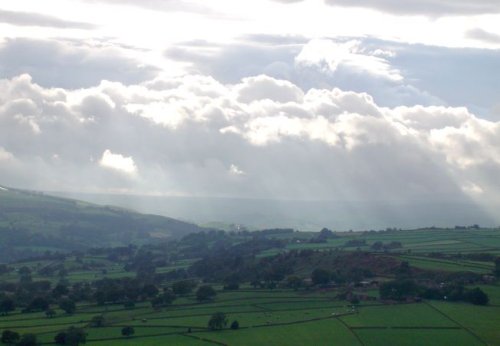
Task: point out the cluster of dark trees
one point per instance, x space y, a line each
219 320
10 337
323 236
405 289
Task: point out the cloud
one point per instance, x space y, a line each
258 138
393 73
329 56
5 155
235 170
65 64
424 7
483 35
163 5
266 88
359 65
40 20
118 162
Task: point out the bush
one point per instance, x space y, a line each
235 325
128 331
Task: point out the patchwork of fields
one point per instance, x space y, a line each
286 316
274 317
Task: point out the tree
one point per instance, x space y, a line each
75 336
150 290
50 313
404 270
217 321
476 296
68 306
164 299
129 304
7 305
60 338
27 340
320 276
24 271
294 282
38 304
72 336
205 293
354 300
398 289
128 331
496 271
235 325
98 321
9 337
183 287
60 290
232 282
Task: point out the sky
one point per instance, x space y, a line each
339 100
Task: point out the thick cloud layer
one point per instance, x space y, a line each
261 137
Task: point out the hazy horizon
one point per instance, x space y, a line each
303 215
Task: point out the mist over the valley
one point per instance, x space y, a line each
304 215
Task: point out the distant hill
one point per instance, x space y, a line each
32 222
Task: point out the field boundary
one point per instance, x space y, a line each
457 323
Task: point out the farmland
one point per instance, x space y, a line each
279 315
275 317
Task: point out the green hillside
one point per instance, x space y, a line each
33 222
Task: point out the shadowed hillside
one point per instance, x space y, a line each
33 222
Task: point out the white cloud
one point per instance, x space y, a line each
330 55
118 162
266 88
235 170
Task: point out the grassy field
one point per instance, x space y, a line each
414 242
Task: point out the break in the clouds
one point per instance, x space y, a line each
193 135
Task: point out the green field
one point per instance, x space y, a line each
267 317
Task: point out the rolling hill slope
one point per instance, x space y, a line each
33 222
